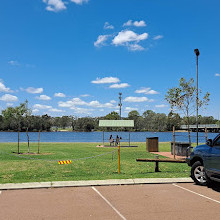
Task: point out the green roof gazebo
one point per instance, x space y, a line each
116 124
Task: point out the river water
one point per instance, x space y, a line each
98 136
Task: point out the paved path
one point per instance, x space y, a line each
151 201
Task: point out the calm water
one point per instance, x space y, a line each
98 136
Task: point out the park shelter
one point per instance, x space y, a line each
116 124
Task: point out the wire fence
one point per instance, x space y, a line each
56 160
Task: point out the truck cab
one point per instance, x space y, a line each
205 162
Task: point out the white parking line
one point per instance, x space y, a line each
0 192
109 203
197 193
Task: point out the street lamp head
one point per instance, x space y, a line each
196 51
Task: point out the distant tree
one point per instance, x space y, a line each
183 98
15 116
134 115
173 119
112 116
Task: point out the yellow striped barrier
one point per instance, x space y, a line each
64 162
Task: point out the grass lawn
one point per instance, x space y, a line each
28 168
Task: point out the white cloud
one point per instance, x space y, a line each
147 91
158 37
139 23
101 40
135 47
160 106
82 110
3 88
135 99
79 2
13 63
34 90
119 86
55 110
9 104
85 95
43 97
35 110
78 102
9 98
106 80
127 36
59 94
55 5
128 109
39 106
135 23
113 101
217 74
108 26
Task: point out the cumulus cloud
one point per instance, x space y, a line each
106 80
127 36
160 106
135 47
85 95
35 110
59 94
147 91
113 101
9 104
13 63
78 102
135 23
217 74
55 110
9 98
108 26
43 97
79 2
3 88
39 106
135 99
34 90
55 5
119 86
128 109
101 40
158 37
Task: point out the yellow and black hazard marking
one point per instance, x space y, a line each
64 162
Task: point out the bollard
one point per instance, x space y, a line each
157 164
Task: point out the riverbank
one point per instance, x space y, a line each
88 163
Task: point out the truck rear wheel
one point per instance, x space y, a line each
198 174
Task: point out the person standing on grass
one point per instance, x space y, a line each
111 140
117 141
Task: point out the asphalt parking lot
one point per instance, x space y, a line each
148 201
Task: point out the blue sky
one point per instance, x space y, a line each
73 57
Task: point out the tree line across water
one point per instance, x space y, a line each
20 118
183 98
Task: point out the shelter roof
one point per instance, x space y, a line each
116 123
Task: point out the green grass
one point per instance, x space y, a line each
26 168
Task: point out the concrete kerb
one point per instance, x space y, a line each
110 182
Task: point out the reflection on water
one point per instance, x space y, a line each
98 136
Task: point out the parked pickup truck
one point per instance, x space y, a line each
205 162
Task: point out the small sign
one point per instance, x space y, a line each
64 162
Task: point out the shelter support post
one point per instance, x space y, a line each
119 159
129 139
103 139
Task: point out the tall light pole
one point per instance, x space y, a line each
119 104
197 93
